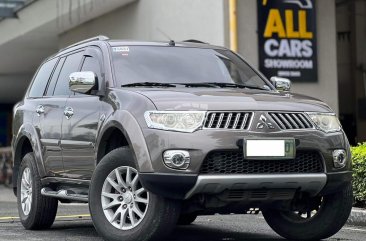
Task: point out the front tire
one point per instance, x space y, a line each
315 223
35 210
121 208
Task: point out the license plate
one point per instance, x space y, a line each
269 148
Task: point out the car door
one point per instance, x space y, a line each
36 103
52 108
81 122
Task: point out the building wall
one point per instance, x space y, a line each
326 88
146 20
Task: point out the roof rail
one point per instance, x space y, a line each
99 37
194 41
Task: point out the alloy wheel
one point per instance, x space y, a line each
26 191
124 201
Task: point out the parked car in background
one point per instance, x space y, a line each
154 134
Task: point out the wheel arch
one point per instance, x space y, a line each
124 126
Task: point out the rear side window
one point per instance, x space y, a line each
41 79
71 65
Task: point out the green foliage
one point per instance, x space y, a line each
359 173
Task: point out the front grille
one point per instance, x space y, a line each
291 120
228 120
233 162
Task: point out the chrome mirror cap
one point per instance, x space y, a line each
82 82
281 84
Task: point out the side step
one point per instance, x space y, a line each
64 194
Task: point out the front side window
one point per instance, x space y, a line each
184 65
92 64
70 65
41 79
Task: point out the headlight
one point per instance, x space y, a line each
326 122
184 121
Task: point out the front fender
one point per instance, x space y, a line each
128 125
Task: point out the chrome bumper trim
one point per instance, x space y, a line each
212 184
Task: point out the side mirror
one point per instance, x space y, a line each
82 82
281 84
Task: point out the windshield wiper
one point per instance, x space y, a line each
233 85
154 84
197 85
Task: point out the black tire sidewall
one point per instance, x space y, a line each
330 219
148 227
40 216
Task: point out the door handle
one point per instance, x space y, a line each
68 112
40 110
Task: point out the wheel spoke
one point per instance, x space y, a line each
138 192
119 179
136 210
114 217
114 196
134 182
132 217
111 204
141 200
128 176
24 183
123 218
27 205
113 184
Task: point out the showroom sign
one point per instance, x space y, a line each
287 39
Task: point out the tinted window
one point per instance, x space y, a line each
41 79
56 73
71 65
134 64
92 64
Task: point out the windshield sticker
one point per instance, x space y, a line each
125 49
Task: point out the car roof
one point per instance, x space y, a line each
121 42
195 44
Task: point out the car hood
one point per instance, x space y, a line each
230 99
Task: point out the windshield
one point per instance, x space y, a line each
181 65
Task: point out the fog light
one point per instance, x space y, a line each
177 159
339 158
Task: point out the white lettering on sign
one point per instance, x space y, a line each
288 48
288 64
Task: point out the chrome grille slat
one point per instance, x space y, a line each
278 121
244 121
220 120
298 121
228 120
306 121
211 120
236 120
287 124
293 123
289 121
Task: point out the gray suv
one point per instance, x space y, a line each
154 134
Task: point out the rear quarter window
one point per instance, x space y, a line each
41 79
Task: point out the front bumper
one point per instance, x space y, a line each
185 186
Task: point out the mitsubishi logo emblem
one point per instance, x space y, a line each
262 123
